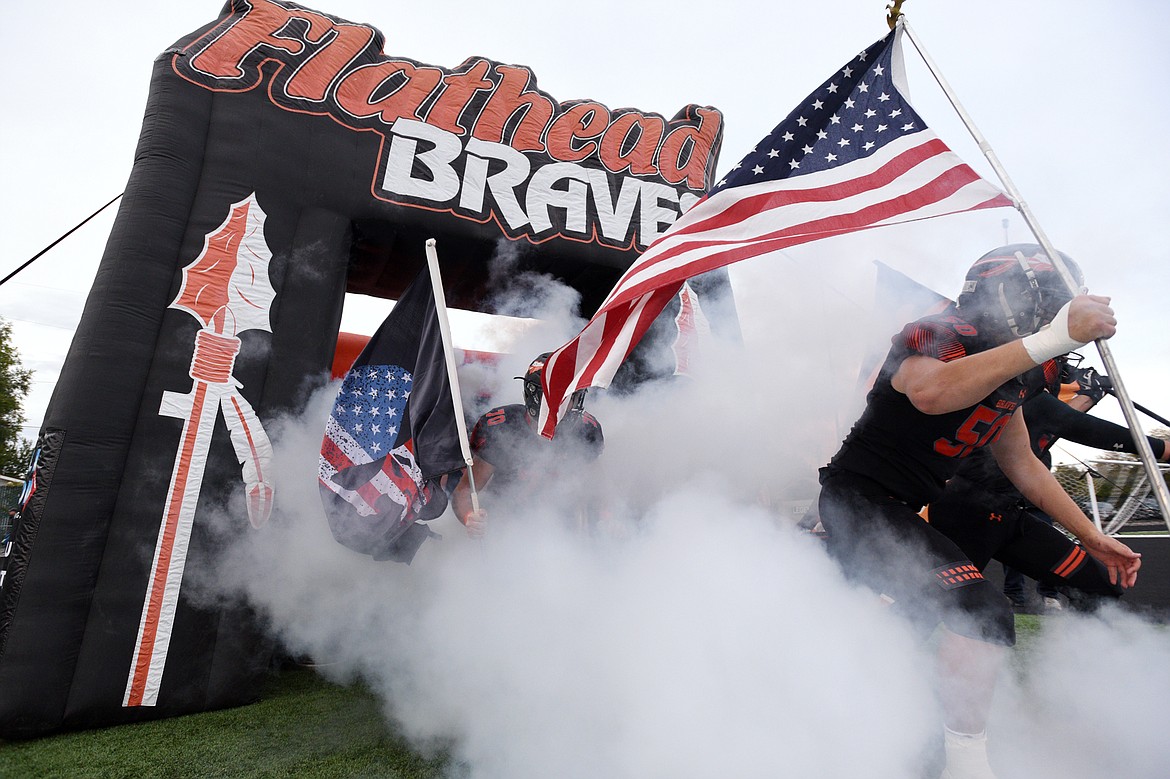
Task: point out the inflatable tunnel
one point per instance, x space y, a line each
283 161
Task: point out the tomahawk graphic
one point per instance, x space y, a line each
227 289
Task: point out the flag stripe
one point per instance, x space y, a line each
879 205
895 160
702 256
620 329
809 195
852 156
334 458
391 430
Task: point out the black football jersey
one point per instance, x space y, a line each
1049 419
505 439
911 453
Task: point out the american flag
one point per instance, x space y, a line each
853 155
368 412
391 433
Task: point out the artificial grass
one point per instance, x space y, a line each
303 727
1027 630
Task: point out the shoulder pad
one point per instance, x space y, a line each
938 337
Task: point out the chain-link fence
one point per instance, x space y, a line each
9 496
1115 491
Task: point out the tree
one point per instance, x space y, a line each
15 381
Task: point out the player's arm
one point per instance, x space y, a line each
475 521
1048 413
938 387
1036 483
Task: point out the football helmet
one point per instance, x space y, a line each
533 394
532 390
1015 290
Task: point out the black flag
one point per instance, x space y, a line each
391 435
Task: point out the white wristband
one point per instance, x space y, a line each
1053 340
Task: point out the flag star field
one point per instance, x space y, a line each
370 405
851 116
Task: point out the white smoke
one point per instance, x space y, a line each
709 637
711 641
1090 700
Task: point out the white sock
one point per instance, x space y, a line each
966 756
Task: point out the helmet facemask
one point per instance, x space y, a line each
532 389
534 394
1015 290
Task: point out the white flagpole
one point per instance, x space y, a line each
449 354
1127 408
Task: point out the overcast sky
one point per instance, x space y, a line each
1068 93
1071 96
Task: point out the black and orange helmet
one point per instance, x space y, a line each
1016 289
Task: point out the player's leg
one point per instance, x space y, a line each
885 543
1047 591
980 522
1052 558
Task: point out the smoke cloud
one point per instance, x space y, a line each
1088 700
699 633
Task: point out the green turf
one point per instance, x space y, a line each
303 727
1028 627
1027 630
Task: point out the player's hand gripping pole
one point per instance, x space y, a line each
1127 407
449 356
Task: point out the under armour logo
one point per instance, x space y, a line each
995 517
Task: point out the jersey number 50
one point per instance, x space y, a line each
982 427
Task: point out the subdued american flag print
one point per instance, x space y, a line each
362 427
853 155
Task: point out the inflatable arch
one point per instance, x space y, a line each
283 161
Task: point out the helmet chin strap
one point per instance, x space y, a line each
1034 286
1009 313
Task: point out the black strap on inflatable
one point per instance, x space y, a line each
62 238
